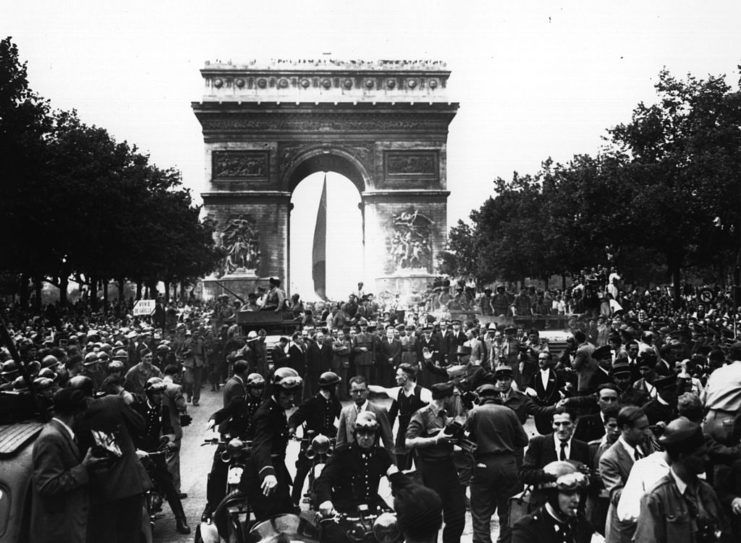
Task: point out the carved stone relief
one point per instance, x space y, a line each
410 243
240 240
240 164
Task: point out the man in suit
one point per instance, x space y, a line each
359 393
389 357
558 445
545 389
601 375
616 463
591 427
234 387
318 360
117 490
583 363
60 504
428 353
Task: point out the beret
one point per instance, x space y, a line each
682 432
441 390
487 389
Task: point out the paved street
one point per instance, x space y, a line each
196 462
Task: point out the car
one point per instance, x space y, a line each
19 428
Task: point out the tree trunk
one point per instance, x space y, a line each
104 284
63 285
121 294
167 291
23 290
138 290
38 283
94 293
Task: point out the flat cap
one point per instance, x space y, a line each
684 433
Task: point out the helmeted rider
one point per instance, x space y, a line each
157 425
560 518
234 421
351 476
266 480
318 415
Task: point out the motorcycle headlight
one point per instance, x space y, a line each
320 444
385 529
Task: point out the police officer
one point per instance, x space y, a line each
560 519
427 435
318 415
266 480
351 476
157 426
234 421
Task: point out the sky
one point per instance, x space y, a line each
534 79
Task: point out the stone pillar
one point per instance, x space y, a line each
263 219
404 234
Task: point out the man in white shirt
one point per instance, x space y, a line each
644 474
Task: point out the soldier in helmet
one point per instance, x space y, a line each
266 480
318 415
157 426
559 519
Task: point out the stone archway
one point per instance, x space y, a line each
383 125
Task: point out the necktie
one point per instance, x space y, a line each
637 454
562 454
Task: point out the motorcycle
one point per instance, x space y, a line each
232 518
153 498
319 450
369 525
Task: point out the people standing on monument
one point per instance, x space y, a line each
275 299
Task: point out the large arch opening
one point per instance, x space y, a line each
344 235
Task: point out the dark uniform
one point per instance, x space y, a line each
235 420
351 478
318 415
157 424
404 406
542 527
268 458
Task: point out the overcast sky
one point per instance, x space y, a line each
533 79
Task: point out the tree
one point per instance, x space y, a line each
684 169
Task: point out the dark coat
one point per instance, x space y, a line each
589 428
541 527
60 504
351 477
319 357
297 359
388 351
126 476
234 388
542 451
318 414
271 438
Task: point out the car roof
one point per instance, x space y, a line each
14 437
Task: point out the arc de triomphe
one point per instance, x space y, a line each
383 125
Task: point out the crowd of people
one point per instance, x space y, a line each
637 412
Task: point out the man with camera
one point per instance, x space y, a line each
432 433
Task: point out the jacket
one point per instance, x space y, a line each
347 425
60 504
665 516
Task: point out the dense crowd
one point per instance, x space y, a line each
637 411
